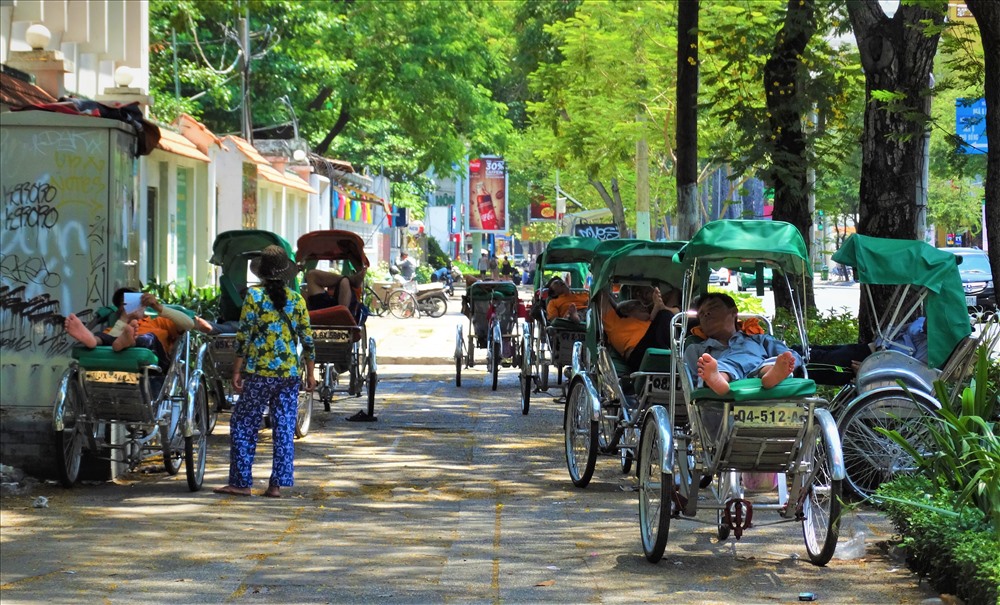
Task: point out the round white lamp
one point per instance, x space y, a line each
123 76
298 155
37 36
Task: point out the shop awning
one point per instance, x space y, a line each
268 172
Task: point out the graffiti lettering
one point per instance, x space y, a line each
29 205
30 270
601 232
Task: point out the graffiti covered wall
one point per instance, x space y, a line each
67 219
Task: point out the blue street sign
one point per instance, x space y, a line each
970 124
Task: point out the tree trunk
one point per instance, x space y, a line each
614 204
687 119
987 13
784 78
897 57
342 120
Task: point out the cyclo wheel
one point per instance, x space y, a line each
580 435
196 444
69 441
870 457
656 491
494 354
459 350
373 302
304 410
402 304
525 376
172 453
372 377
215 397
822 503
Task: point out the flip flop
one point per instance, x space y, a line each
269 494
230 490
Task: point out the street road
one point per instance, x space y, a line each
451 497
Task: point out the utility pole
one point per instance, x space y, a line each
642 226
247 120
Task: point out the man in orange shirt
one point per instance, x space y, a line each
563 302
637 325
158 334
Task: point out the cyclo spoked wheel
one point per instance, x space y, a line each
494 356
822 504
580 436
215 396
459 348
171 450
871 458
69 441
526 377
303 415
656 492
196 445
372 377
402 304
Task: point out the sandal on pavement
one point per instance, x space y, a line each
272 492
232 491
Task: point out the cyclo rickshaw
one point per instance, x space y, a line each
492 309
785 429
342 342
124 407
606 403
549 341
891 389
232 251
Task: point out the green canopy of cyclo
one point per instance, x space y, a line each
566 253
229 251
638 260
894 262
739 245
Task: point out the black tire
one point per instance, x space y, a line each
608 435
372 384
215 399
436 306
458 371
656 493
822 505
580 434
543 377
196 445
171 455
871 458
525 393
303 413
627 458
495 363
69 441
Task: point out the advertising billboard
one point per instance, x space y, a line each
542 208
487 206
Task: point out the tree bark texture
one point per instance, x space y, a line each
687 119
614 204
987 13
784 79
897 57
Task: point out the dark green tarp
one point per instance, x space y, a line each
894 262
739 244
566 253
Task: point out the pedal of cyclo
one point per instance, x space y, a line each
738 516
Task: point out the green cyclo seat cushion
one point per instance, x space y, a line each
619 363
653 360
749 389
133 359
561 323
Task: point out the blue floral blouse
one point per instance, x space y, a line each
265 340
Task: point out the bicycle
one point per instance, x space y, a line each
394 299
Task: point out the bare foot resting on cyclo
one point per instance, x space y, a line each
708 371
75 328
125 340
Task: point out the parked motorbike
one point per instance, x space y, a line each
432 299
447 278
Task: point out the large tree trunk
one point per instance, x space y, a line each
897 56
784 78
687 119
987 13
614 204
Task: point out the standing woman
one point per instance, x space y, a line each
267 372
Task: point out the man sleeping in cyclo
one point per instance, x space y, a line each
134 329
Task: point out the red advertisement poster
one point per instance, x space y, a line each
487 209
542 209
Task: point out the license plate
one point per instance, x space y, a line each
768 415
970 301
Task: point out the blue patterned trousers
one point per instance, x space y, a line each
281 395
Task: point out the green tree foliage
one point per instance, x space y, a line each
398 86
